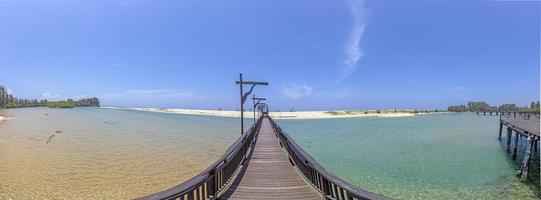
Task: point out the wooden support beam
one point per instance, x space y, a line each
526 161
509 131
515 151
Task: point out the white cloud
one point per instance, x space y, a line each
57 97
352 48
295 91
149 97
51 97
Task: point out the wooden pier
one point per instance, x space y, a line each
268 174
510 114
524 125
265 163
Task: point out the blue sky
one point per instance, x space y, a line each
316 55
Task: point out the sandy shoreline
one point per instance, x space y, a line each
279 115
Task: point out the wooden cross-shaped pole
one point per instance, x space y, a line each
258 102
244 96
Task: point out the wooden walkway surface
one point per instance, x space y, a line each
531 126
269 174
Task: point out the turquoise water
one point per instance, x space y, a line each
436 156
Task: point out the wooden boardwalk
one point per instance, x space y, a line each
269 174
265 163
530 126
527 128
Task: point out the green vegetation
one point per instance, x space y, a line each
335 113
9 101
480 106
460 108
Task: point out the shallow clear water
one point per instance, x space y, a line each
436 156
122 154
105 153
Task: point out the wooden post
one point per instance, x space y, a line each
535 145
509 131
526 161
253 101
500 133
517 135
244 96
241 106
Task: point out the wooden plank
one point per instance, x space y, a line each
268 174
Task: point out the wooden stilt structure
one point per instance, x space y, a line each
526 125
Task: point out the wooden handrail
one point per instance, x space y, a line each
213 180
327 183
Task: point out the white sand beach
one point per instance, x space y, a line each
280 115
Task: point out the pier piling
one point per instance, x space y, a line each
526 161
500 133
515 151
509 131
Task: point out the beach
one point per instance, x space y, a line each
282 115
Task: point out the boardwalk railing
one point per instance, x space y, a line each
332 187
211 182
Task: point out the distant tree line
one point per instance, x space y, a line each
9 101
480 106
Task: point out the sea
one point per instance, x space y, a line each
100 153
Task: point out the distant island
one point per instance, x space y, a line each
481 106
9 101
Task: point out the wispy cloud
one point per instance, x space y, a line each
160 93
295 91
352 49
123 2
457 88
343 93
121 66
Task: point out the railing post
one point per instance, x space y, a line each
211 185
